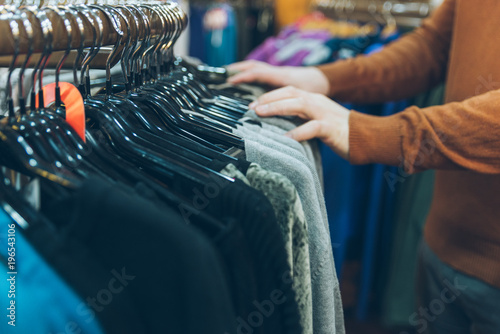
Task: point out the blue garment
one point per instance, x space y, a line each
196 33
220 43
377 229
337 175
347 197
360 201
347 187
44 304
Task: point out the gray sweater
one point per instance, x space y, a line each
280 158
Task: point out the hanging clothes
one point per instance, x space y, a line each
219 24
359 199
159 210
197 47
413 204
287 160
315 39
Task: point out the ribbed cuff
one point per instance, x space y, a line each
374 139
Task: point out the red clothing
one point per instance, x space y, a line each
460 43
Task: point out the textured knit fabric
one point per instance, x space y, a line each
281 126
290 217
327 304
276 310
457 43
257 135
277 135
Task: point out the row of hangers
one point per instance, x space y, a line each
401 13
161 125
70 27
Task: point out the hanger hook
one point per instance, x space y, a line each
28 28
98 46
90 17
98 27
152 48
64 16
46 28
114 16
14 29
81 29
131 43
142 24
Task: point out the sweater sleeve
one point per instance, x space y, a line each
460 135
406 67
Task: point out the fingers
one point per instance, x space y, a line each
259 74
255 71
288 101
328 120
249 71
307 131
277 95
247 76
242 65
285 107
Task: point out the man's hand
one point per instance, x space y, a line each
327 120
307 78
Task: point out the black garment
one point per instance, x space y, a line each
174 275
244 26
85 275
240 221
255 215
229 239
239 268
261 23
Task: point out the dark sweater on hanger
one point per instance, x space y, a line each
460 139
169 272
244 284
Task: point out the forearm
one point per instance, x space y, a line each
463 136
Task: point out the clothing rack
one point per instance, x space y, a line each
401 13
107 181
30 30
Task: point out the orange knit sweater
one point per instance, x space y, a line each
460 43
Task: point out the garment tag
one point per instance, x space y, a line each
72 100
